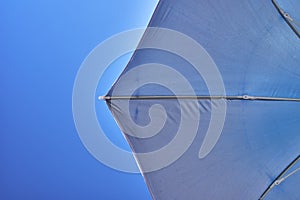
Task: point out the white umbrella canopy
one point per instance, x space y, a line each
209 102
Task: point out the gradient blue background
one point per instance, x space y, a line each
42 44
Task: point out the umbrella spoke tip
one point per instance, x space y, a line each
103 97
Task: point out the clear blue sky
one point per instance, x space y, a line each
42 44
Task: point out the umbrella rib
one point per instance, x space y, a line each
281 177
289 20
191 97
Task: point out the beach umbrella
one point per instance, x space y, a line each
210 100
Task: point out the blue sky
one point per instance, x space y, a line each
43 44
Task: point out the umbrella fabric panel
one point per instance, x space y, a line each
259 140
254 49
